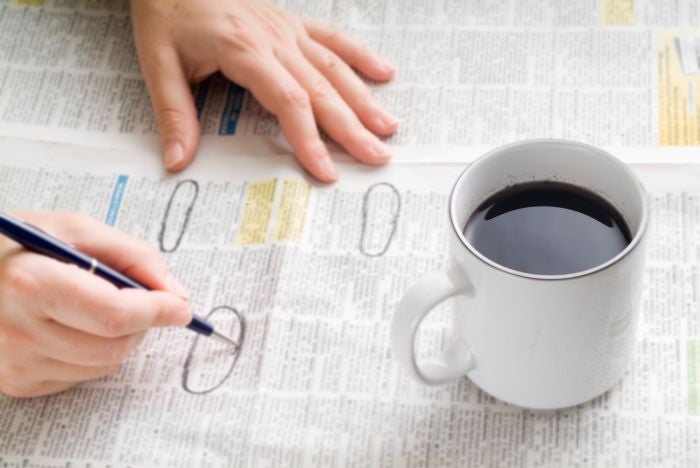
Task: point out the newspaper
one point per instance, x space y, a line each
316 271
470 76
316 383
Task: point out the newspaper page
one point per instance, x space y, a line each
470 76
316 271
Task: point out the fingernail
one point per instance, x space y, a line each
386 120
386 68
328 168
176 287
380 151
173 153
181 316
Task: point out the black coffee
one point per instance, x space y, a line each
547 228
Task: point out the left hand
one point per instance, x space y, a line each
299 71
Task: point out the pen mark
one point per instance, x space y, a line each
378 226
207 357
187 214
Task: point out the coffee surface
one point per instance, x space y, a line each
547 228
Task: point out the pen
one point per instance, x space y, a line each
34 239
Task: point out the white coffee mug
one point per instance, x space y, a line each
538 341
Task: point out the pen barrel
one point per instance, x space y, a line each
36 240
117 279
200 326
197 324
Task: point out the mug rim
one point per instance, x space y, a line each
603 266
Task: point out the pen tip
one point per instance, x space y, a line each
225 339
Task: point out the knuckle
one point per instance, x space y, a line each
117 350
331 62
231 22
234 33
19 280
236 40
115 323
279 30
322 88
9 341
296 97
14 372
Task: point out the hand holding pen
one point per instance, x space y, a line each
61 324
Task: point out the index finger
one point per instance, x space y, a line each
82 301
280 93
129 255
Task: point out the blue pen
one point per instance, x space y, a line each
34 239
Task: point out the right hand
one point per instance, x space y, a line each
59 324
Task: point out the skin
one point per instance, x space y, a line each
60 325
300 71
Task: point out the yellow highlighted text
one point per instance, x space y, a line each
292 211
617 12
256 212
679 95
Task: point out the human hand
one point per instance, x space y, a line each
299 71
59 324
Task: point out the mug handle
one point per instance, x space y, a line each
455 361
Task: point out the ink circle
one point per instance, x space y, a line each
173 203
379 225
210 363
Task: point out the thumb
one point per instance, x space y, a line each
174 109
